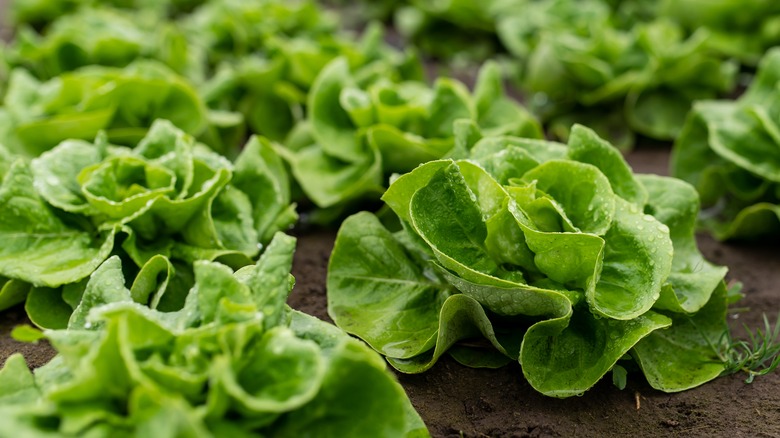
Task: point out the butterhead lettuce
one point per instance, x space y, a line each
123 102
361 130
554 255
234 361
729 152
161 206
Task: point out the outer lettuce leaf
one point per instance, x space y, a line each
401 318
171 201
564 357
693 279
235 360
682 356
560 258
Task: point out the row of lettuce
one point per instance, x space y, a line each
623 67
132 219
134 212
224 69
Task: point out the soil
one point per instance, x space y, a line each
456 401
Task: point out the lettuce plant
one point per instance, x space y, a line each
104 36
123 102
554 255
744 30
358 131
271 88
234 361
231 29
729 152
467 27
161 206
643 79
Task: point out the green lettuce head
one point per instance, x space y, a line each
361 130
103 36
554 255
123 102
729 152
161 206
234 361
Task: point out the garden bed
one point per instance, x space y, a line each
454 400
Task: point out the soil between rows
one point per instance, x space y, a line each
458 401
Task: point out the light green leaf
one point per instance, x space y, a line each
377 292
682 356
17 385
329 181
360 400
47 308
586 147
12 292
566 356
281 373
56 174
331 125
581 189
106 285
693 279
461 318
637 261
260 174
